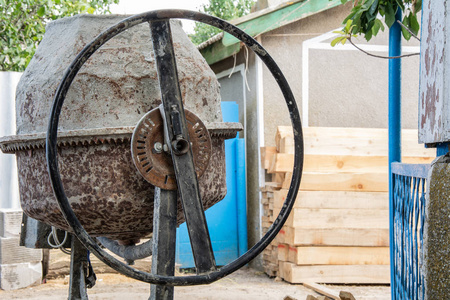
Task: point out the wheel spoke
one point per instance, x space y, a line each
177 138
164 237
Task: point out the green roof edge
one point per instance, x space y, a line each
261 23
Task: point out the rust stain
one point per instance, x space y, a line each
105 190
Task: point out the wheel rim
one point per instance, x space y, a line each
52 161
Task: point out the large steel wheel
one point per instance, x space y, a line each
159 22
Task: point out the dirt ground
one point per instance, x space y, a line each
245 284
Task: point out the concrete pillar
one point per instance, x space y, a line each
437 231
9 189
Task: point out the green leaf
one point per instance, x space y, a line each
41 11
418 6
340 39
376 27
23 22
374 8
405 32
368 35
348 26
414 24
389 17
400 4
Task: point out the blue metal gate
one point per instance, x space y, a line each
407 211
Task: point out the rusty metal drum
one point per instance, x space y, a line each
115 88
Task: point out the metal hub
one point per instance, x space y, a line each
151 155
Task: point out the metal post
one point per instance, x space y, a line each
78 270
395 49
164 238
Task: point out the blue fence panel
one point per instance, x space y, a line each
408 211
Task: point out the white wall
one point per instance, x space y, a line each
9 190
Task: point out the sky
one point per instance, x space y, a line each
139 6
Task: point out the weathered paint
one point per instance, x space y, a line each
112 91
105 190
217 51
116 86
434 99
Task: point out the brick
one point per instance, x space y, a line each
12 253
21 275
10 222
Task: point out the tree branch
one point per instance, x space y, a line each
409 30
380 56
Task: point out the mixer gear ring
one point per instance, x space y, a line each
151 156
52 161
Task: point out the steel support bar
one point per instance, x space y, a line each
395 49
177 138
164 241
78 271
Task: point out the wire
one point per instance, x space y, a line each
59 245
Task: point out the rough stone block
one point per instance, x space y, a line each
16 276
12 253
10 222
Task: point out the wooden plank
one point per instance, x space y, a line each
364 182
278 177
287 145
336 218
283 252
360 141
371 237
271 186
339 255
266 156
337 274
287 180
345 164
271 269
334 199
283 132
323 290
283 162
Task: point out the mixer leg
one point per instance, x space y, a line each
78 270
164 237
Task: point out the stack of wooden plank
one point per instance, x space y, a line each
338 230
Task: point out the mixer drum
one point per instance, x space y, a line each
114 89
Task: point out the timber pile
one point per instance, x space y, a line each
338 230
